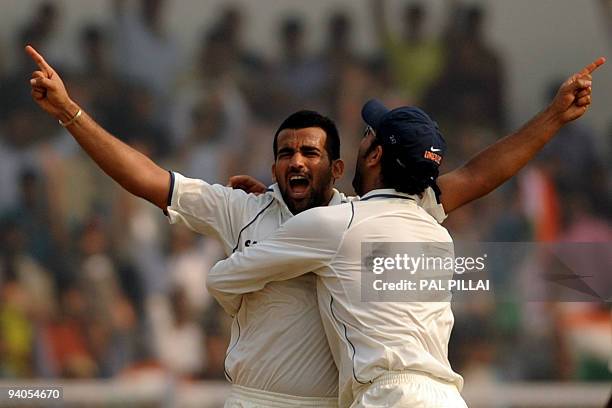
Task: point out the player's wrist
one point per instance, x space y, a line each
553 116
67 112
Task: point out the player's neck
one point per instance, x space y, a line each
373 184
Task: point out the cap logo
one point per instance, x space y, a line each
392 139
434 157
433 149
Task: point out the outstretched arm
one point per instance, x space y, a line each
303 244
131 169
502 160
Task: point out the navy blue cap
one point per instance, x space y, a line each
413 136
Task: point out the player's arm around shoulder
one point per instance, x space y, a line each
324 226
303 244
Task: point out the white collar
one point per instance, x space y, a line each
381 193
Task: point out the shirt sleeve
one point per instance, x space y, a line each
303 244
209 209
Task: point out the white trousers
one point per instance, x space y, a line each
409 390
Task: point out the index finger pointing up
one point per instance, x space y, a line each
593 65
39 60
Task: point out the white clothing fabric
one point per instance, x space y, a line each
367 339
414 390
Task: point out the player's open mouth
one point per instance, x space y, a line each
298 185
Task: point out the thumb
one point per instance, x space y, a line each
41 82
578 82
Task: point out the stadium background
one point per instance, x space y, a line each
99 294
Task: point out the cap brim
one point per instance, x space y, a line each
373 111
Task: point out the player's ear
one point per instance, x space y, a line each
375 156
337 169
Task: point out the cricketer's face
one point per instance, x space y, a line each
303 170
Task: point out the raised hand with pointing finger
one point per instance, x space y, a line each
131 169
574 95
48 89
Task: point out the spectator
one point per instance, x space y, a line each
18 134
415 59
66 339
470 87
211 94
190 258
231 24
41 31
179 340
26 294
141 37
297 77
112 318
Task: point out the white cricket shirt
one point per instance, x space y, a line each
278 343
367 339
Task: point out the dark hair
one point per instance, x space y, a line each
409 178
307 118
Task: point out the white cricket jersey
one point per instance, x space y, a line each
278 343
367 339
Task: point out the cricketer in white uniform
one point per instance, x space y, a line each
389 354
278 354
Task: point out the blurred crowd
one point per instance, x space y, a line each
94 283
